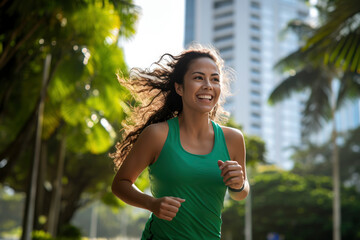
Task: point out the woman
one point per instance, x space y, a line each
191 159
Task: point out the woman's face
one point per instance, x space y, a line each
200 90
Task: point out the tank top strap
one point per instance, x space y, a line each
220 142
173 133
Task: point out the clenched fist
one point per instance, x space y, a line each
232 173
166 207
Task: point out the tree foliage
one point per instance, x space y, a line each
315 159
294 206
338 39
84 103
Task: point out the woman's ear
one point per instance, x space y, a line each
179 88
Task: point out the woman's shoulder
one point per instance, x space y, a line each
156 129
235 142
156 134
155 137
233 136
232 132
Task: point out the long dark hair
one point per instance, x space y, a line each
155 89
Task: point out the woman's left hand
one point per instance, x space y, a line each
232 173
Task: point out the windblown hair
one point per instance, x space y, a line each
154 88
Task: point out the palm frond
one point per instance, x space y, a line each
339 38
302 29
294 60
296 83
318 105
316 113
302 58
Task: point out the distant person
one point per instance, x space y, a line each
191 159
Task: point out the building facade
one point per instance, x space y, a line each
249 36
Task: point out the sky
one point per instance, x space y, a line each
160 30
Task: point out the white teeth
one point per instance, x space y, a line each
205 97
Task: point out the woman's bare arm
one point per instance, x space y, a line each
144 152
234 171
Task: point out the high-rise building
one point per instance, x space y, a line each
249 36
348 117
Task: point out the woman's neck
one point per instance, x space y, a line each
195 125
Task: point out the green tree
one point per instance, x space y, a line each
84 104
296 207
313 159
66 30
323 61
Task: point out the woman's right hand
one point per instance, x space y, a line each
166 207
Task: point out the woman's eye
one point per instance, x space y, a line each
198 77
216 79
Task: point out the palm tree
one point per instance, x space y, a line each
330 55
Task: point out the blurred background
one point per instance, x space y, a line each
295 97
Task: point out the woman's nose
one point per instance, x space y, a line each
207 84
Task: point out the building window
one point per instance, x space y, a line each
255 93
255 115
224 38
255 27
255 82
255 5
255 17
255 60
255 104
256 126
255 39
255 50
224 15
226 50
228 59
224 3
224 26
255 71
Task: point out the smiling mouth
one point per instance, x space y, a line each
205 96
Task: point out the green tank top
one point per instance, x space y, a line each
195 178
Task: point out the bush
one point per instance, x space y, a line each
69 232
40 235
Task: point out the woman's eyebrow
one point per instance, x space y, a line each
213 74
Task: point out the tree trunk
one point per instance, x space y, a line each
55 203
26 210
336 186
35 169
336 170
40 194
